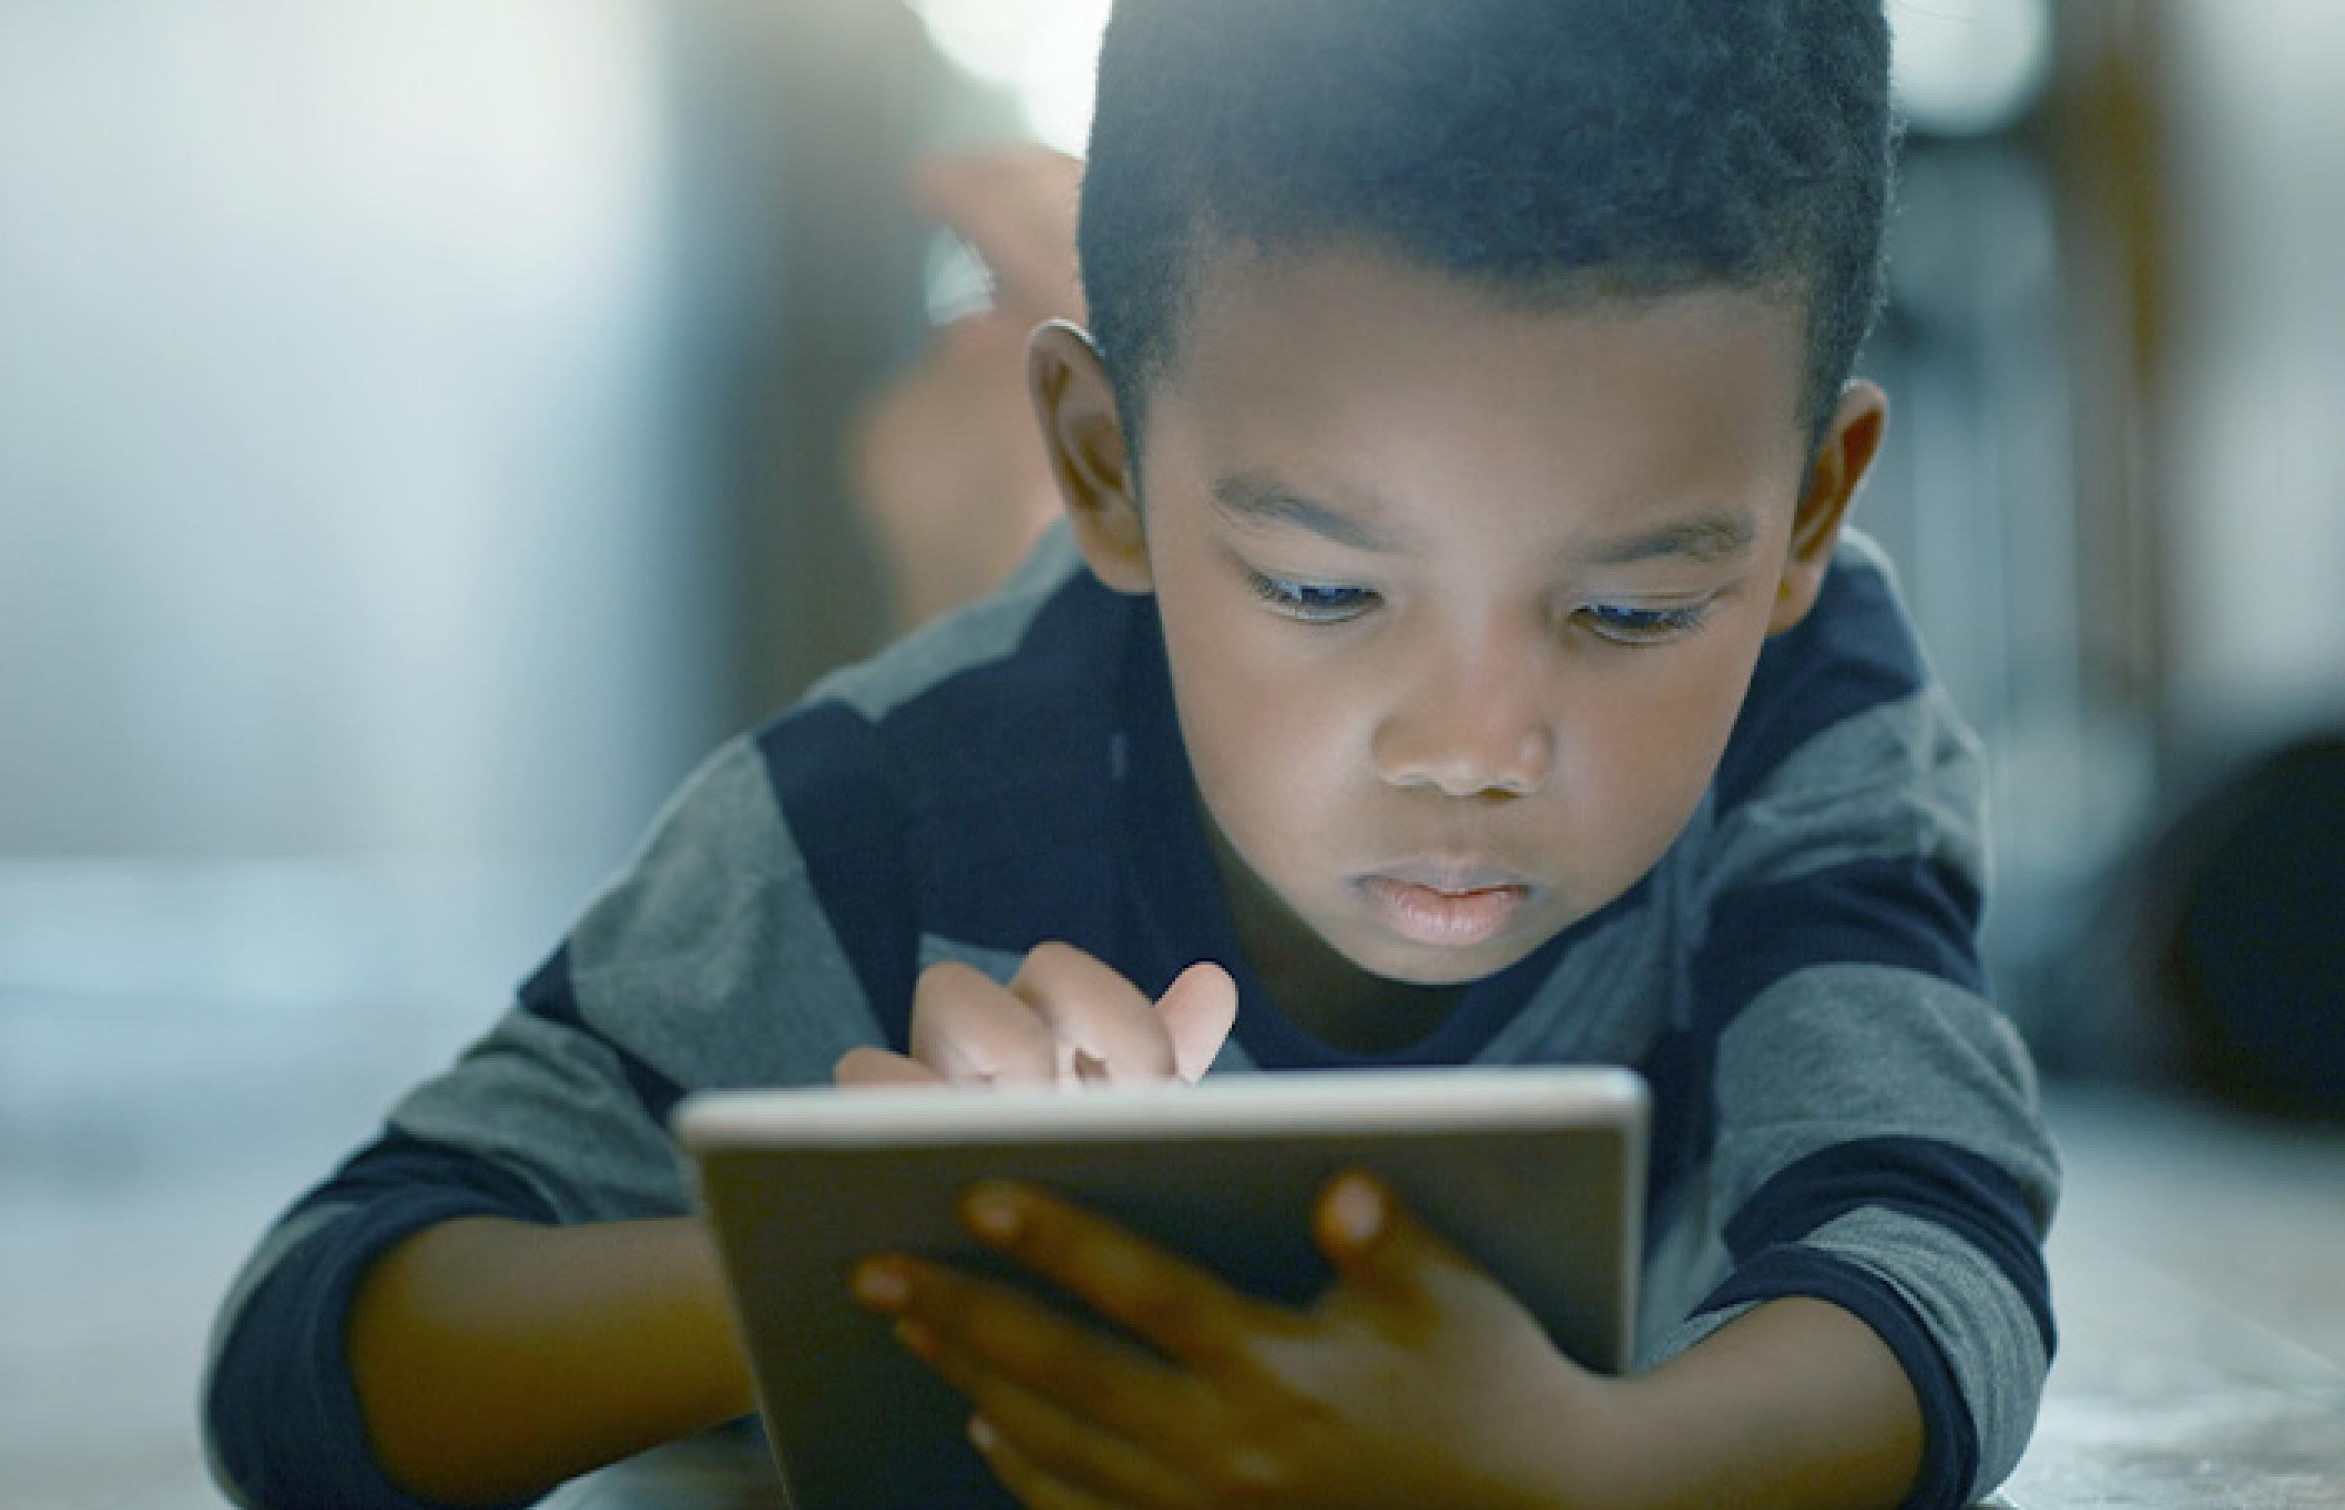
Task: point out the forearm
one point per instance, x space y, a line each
493 1359
1795 1404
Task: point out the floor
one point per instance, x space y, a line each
154 1115
181 1054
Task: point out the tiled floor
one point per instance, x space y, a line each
152 1121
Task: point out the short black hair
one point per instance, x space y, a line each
1558 151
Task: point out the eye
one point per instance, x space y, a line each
1311 602
1638 627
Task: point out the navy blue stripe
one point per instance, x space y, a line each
1950 1442
832 780
1974 1198
1909 914
1009 765
549 994
1912 914
1854 651
1680 1068
280 1409
396 1164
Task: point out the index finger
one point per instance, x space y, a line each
1185 1312
1093 1011
967 1028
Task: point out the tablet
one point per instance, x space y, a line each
1539 1174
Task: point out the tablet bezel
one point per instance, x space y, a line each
843 1156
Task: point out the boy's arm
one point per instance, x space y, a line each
672 979
1794 1403
1880 1150
1869 1133
493 1359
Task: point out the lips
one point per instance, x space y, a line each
1456 877
1445 903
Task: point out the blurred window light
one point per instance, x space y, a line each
1045 53
1969 67
1962 67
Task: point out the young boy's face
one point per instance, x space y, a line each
1460 598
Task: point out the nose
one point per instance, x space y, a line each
1471 725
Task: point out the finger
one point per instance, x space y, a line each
1182 1310
1093 1011
1198 1010
971 1031
1066 1445
1380 1248
1029 1481
984 1331
867 1068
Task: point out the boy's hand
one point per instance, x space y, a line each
1064 1019
1414 1381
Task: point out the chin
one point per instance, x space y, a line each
1428 966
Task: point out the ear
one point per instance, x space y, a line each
1835 473
1075 405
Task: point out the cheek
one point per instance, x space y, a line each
1266 730
1649 744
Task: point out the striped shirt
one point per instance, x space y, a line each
1839 1111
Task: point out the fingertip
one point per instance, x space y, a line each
1199 1009
1353 1209
1209 985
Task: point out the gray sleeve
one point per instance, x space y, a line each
1878 1140
708 962
673 979
1889 1121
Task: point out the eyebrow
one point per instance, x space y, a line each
1709 538
1261 501
1253 499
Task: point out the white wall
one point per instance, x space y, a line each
333 434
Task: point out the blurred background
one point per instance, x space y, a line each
426 429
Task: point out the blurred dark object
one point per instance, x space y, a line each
2233 929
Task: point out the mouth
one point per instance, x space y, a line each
1454 906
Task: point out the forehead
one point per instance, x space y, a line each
1351 370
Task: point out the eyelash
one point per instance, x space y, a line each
1294 599
1643 628
1629 628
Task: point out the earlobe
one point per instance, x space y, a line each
1075 405
1835 473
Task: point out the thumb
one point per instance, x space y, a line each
1198 1010
1379 1247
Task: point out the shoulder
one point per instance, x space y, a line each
1855 653
791 870
1847 746
938 709
1848 817
936 790
1032 614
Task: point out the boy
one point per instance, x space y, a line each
1454 655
